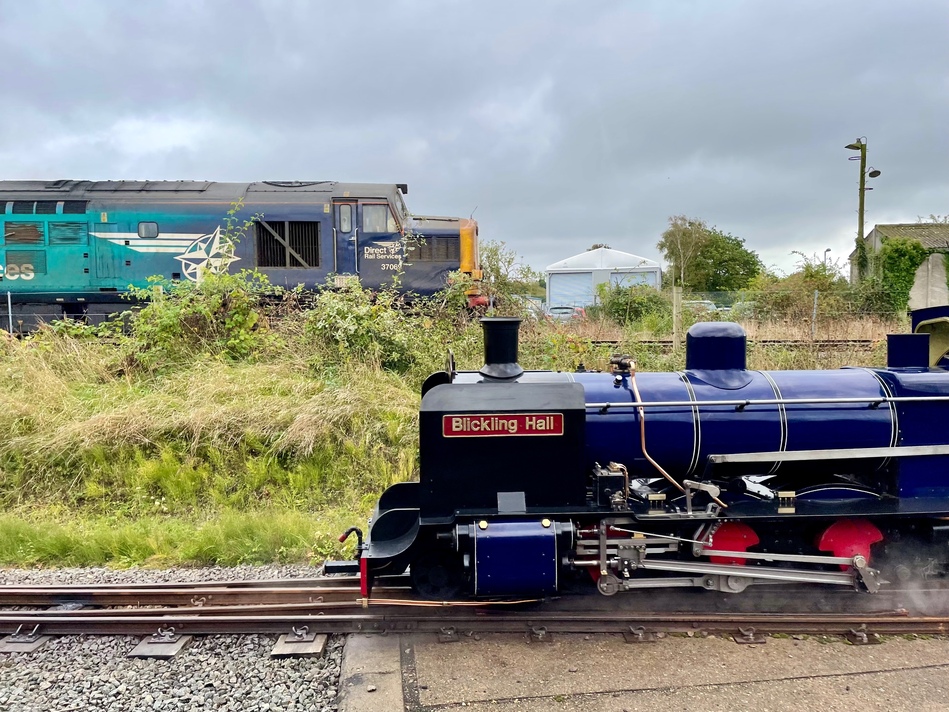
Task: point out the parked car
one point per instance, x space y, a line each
566 313
700 306
530 307
745 309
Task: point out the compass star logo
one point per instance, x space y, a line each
209 253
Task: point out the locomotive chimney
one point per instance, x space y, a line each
500 348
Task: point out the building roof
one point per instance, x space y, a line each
932 235
602 258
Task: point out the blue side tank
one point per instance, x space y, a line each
920 422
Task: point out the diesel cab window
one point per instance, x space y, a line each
377 218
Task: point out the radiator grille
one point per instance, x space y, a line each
74 207
68 233
28 258
23 233
302 238
270 251
305 241
435 249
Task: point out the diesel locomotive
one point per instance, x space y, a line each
72 247
716 476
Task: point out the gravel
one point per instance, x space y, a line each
44 577
226 672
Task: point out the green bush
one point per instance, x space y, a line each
356 325
221 316
637 303
899 258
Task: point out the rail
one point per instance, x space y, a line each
425 620
337 608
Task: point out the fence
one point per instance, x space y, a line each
797 314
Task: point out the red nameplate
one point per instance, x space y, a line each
494 425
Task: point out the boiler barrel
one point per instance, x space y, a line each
680 438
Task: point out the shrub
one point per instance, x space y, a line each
220 316
356 325
636 303
899 258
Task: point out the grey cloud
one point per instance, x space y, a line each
563 122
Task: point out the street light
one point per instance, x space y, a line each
825 257
861 145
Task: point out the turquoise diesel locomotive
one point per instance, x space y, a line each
73 247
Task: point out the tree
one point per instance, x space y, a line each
505 274
681 243
597 246
723 264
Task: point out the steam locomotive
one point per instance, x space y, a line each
72 247
717 476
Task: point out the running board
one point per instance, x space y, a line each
821 455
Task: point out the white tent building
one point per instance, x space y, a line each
573 281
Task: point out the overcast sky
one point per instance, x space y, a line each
559 124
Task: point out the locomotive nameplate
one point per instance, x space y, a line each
494 425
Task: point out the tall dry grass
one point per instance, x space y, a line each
212 433
858 327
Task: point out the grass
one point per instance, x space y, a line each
61 537
213 461
230 435
195 456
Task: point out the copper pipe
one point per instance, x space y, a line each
642 431
642 438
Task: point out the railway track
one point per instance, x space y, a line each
333 605
288 591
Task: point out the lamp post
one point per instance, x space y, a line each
825 257
861 145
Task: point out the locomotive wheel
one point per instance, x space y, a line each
438 576
849 538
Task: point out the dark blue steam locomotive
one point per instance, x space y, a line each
717 476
